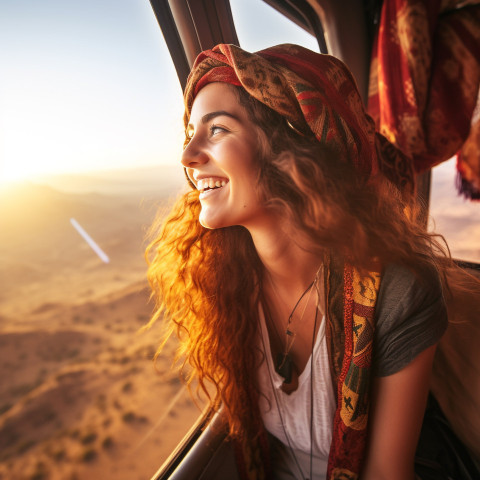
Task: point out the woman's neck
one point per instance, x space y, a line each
289 266
290 297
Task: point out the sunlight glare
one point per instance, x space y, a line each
71 103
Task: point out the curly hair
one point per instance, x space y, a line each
207 282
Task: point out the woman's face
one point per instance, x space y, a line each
221 159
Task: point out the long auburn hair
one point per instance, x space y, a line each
207 282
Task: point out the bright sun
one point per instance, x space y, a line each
60 129
33 147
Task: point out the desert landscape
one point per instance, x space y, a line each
453 216
79 395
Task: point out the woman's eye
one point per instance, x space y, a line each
215 129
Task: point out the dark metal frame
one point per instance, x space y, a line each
190 26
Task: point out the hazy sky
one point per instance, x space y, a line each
90 84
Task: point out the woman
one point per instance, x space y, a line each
292 272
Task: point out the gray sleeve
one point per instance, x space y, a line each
410 316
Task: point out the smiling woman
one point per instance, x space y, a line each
222 148
293 274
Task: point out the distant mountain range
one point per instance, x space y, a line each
159 180
43 258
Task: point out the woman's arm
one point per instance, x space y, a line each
397 409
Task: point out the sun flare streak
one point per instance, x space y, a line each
103 256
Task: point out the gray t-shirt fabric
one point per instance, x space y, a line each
410 316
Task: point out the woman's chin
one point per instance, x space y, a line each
207 221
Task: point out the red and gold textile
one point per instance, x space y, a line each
315 93
350 333
424 83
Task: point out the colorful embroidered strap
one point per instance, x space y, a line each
353 383
315 93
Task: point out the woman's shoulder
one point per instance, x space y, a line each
410 316
399 282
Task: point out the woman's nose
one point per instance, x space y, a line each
193 155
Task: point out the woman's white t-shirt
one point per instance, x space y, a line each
288 416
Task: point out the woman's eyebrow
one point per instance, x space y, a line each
210 116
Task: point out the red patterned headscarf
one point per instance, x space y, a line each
313 92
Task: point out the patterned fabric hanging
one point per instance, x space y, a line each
424 83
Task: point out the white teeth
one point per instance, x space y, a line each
205 183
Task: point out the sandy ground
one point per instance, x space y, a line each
79 396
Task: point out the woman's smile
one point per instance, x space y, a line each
208 185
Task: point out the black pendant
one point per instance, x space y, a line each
284 367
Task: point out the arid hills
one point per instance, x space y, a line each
79 395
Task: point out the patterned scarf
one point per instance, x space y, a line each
424 83
318 93
313 92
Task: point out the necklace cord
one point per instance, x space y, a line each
277 401
279 367
283 363
311 384
279 410
288 332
